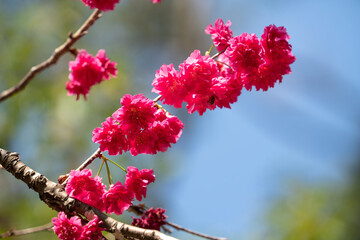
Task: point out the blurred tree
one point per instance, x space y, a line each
308 212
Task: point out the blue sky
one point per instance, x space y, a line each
306 128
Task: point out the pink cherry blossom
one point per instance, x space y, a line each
67 229
86 188
118 198
137 181
111 137
143 142
103 5
170 85
86 71
278 55
198 72
226 89
109 67
152 219
136 113
92 231
220 34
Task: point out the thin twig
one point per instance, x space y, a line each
86 163
177 227
58 52
141 209
157 98
13 232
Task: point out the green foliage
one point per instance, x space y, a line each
327 212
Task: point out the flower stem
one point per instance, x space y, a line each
102 164
117 165
108 170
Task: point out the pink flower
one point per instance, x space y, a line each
244 53
138 127
136 113
277 49
87 71
118 198
220 34
143 142
226 89
167 129
111 137
198 72
136 181
109 67
92 231
152 219
156 1
86 188
103 5
169 84
67 229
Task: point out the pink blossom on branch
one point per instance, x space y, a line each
198 72
67 229
136 113
103 5
136 181
170 85
109 67
86 71
118 198
220 34
111 137
137 127
152 219
245 57
86 188
91 230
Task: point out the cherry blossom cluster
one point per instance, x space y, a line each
118 198
204 82
106 5
90 190
87 71
151 219
72 228
139 126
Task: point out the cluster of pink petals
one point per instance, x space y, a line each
87 71
243 61
220 34
103 5
136 181
152 219
86 188
118 198
138 126
72 229
201 82
156 1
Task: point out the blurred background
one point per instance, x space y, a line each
281 164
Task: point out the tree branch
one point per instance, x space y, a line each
58 52
13 232
55 196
